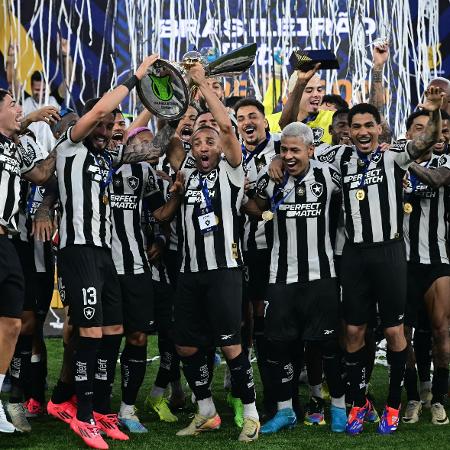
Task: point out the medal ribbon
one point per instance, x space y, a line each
31 198
248 156
111 171
414 180
274 206
366 162
204 186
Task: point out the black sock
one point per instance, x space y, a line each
260 343
85 363
133 364
356 367
196 371
439 388
422 350
313 361
397 362
62 392
332 367
296 352
412 393
105 372
371 346
210 360
20 367
169 362
38 379
281 369
242 378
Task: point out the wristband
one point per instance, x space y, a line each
131 82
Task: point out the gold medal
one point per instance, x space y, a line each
407 207
105 199
267 215
217 220
360 194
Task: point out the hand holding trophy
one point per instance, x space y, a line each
164 91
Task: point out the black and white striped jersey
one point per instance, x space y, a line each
220 247
30 199
134 188
372 191
425 226
83 181
258 234
15 160
302 249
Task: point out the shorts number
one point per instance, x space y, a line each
89 296
266 305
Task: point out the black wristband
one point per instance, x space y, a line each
131 82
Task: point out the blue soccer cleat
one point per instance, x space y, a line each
338 419
284 418
355 421
389 420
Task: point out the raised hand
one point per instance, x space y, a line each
145 65
434 96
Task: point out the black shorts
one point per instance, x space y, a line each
420 279
302 310
208 308
12 284
89 286
137 302
164 295
256 274
372 274
38 285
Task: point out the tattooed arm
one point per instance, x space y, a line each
43 170
376 93
147 151
431 177
42 225
421 144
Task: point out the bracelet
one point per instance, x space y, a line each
131 82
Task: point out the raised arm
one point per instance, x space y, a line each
43 170
292 106
67 65
141 120
376 94
429 137
109 102
230 145
47 114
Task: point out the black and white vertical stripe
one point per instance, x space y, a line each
130 184
379 216
302 249
85 218
219 248
259 234
425 228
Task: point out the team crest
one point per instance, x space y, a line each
316 189
133 182
89 312
442 160
211 178
376 157
318 134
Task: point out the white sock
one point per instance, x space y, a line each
316 391
206 407
157 391
285 404
251 411
425 385
2 377
339 402
124 409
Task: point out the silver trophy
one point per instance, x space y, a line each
165 92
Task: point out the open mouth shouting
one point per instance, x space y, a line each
186 133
